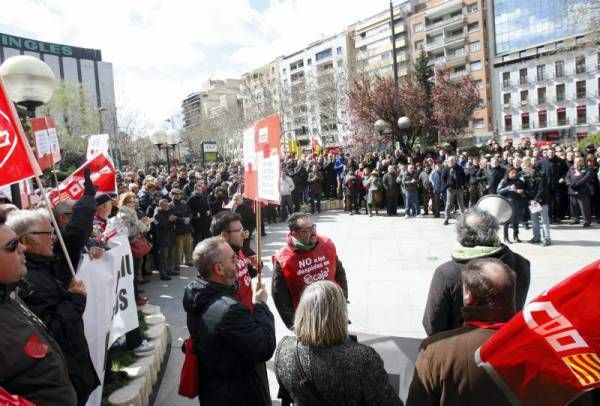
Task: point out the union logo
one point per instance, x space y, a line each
8 139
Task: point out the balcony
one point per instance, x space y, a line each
581 95
507 106
524 103
434 45
454 21
455 60
561 122
455 39
507 84
460 74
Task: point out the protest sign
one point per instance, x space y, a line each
97 144
46 145
110 308
17 161
261 146
548 352
102 175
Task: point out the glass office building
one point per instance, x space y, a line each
521 24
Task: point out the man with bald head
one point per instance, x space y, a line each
477 233
445 370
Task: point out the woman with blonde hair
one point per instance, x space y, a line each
321 366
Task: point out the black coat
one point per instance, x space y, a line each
537 188
453 177
62 313
248 217
163 230
493 177
200 210
184 213
580 185
42 381
445 297
232 345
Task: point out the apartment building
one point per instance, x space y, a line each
260 91
215 97
546 76
454 35
314 81
374 44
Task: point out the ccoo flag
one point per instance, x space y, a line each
548 353
17 161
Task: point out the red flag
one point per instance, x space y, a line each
16 158
102 174
548 353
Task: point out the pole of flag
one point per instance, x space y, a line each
257 208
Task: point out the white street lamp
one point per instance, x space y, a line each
173 137
404 123
381 125
29 81
158 137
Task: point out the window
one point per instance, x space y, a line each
541 72
479 123
479 84
579 40
580 89
507 123
340 62
339 50
541 93
580 64
522 54
559 69
476 65
523 76
525 121
419 44
524 97
581 114
474 46
418 27
472 8
540 50
560 92
561 116
284 71
506 98
542 118
296 65
480 104
505 79
309 61
560 44
323 54
473 27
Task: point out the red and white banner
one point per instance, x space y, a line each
548 353
43 131
261 145
102 174
17 161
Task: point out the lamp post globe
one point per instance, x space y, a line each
404 123
380 125
29 81
158 137
173 137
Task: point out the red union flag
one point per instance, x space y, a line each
16 158
548 353
102 172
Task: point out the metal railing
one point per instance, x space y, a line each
442 23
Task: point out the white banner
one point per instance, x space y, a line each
110 309
97 143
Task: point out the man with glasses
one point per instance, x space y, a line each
305 259
33 366
228 225
60 308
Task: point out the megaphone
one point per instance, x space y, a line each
498 206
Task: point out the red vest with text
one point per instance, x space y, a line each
244 291
301 268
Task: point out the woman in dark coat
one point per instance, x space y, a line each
579 181
321 366
513 188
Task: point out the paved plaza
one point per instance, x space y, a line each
389 262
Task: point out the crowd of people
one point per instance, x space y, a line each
196 216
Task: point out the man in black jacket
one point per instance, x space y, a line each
183 229
556 169
28 369
494 175
477 234
60 308
200 212
232 343
453 177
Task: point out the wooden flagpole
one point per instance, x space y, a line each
257 208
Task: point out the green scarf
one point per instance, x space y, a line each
303 247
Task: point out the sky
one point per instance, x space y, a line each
162 51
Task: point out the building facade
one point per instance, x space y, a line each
373 43
454 35
546 74
314 81
260 91
72 64
215 97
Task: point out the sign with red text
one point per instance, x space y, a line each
549 352
102 174
261 146
17 161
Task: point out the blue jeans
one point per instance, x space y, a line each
315 199
411 203
545 226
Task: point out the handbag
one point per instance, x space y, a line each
307 383
140 246
189 379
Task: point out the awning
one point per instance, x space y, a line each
582 107
561 110
582 135
542 113
526 114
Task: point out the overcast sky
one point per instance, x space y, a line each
162 51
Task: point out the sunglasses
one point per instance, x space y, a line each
12 245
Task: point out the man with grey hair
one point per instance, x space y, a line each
232 343
445 369
477 233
